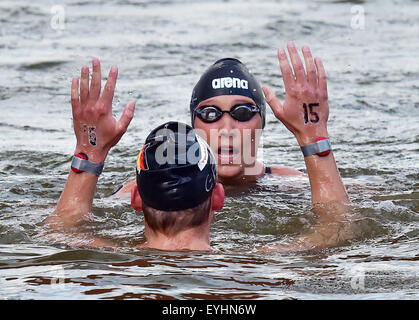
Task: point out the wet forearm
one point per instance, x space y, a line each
325 181
77 197
78 193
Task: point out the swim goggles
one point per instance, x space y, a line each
240 112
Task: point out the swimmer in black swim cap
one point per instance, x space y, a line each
229 87
227 76
176 170
177 165
177 188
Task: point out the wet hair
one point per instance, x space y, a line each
171 223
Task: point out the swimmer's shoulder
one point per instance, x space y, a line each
283 171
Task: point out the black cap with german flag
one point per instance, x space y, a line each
176 169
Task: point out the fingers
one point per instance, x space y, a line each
84 85
273 102
311 70
287 75
316 76
75 101
126 117
296 62
109 89
322 77
96 82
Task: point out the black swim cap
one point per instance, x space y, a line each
227 76
176 169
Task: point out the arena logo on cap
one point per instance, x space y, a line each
229 82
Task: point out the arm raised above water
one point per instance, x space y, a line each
305 113
97 131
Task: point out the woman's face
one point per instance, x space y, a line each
234 143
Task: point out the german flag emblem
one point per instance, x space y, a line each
142 160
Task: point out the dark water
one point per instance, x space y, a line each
161 48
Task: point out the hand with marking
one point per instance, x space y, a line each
306 110
97 131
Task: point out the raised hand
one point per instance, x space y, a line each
97 131
305 111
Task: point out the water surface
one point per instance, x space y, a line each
161 48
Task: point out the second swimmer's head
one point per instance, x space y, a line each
176 176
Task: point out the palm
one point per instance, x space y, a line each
96 129
305 111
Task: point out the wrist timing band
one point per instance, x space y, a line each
321 147
81 163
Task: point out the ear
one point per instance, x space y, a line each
136 201
217 198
